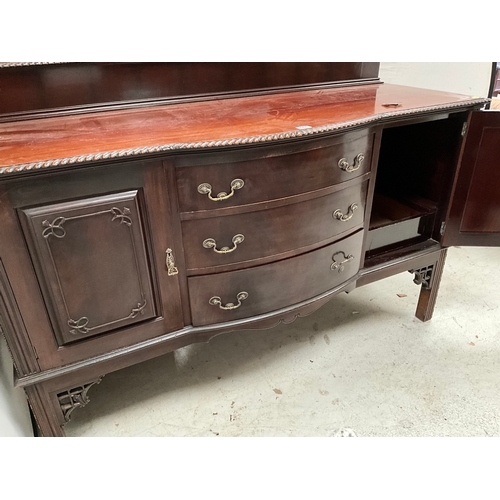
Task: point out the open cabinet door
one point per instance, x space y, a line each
473 216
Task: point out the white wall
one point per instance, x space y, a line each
15 419
470 78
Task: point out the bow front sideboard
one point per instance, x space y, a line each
145 207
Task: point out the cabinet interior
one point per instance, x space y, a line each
413 181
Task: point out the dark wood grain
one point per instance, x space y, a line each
12 325
164 233
271 204
25 285
59 141
474 213
46 411
275 176
31 89
395 261
169 215
273 286
428 294
93 263
272 232
286 148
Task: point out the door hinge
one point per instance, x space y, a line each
464 129
443 227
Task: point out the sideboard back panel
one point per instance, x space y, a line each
34 88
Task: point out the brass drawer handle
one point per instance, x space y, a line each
350 212
206 188
170 263
339 264
344 164
211 243
217 301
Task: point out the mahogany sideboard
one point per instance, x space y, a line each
145 207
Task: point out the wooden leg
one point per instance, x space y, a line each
430 278
46 411
53 408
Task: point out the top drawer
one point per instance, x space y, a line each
222 185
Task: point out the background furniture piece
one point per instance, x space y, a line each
496 83
133 228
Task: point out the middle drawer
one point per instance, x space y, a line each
248 237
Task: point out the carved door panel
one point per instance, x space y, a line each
91 260
474 213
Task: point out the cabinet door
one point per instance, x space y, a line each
474 213
93 264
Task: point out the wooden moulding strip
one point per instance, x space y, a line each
389 263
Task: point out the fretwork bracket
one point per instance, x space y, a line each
423 276
75 398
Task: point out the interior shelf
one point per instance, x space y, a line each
412 186
396 221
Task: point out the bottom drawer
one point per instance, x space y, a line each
240 294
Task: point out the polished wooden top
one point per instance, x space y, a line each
51 142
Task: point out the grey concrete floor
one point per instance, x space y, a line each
361 362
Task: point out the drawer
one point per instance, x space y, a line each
219 241
240 294
276 176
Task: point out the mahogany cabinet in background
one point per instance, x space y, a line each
133 228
